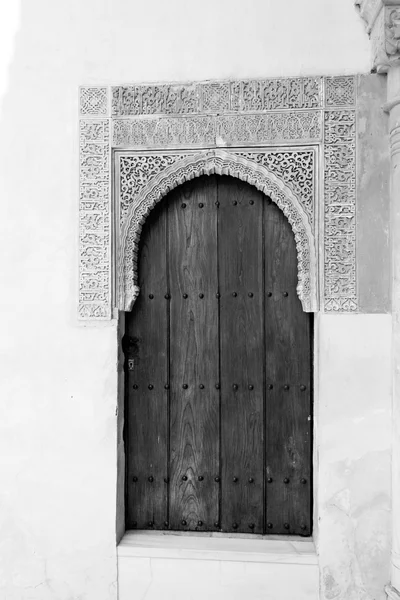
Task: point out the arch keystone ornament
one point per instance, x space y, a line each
293 139
220 163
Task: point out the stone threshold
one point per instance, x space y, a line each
220 547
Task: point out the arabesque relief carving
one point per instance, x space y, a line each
271 133
221 163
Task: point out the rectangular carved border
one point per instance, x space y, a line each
340 280
281 113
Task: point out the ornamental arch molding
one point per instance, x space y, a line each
220 163
294 139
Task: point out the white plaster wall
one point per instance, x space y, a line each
58 379
353 416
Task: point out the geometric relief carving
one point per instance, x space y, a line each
185 167
215 97
93 101
225 96
340 280
94 221
264 131
340 91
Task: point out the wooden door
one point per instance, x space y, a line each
218 368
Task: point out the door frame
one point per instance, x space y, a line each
219 122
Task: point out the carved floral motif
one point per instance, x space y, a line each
270 128
249 96
271 119
164 132
209 131
135 171
295 167
222 163
276 94
393 32
94 221
340 211
384 27
161 99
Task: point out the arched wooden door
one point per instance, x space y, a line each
218 425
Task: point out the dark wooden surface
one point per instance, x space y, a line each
240 254
146 339
224 451
288 363
194 426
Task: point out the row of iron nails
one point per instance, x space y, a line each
235 386
234 203
218 295
217 479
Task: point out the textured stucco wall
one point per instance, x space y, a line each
58 397
373 202
353 416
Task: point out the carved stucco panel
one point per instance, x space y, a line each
221 163
296 167
213 131
94 220
282 114
340 281
217 97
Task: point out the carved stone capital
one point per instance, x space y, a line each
392 593
382 18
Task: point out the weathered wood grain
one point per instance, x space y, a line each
227 352
288 368
240 255
194 425
146 340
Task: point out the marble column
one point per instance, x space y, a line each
393 109
383 25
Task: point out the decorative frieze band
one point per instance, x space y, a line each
94 221
94 205
218 131
217 97
280 126
340 282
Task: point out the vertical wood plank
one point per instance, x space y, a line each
240 255
288 390
194 421
146 397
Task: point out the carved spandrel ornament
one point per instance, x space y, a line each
273 133
220 162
